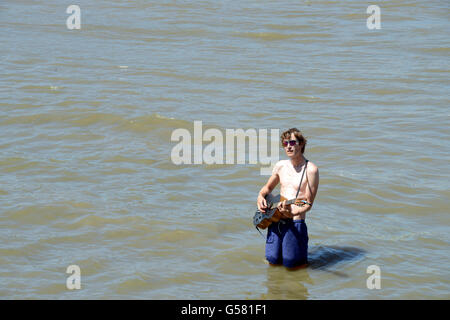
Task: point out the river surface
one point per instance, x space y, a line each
88 176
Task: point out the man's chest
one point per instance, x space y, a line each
290 179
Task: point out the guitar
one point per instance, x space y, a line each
264 219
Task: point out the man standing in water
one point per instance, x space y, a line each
287 240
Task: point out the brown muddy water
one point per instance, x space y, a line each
87 176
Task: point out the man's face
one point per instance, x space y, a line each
292 146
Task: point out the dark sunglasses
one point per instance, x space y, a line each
290 142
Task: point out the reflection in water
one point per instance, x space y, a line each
287 284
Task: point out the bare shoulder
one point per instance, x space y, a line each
276 170
279 165
282 162
313 178
312 168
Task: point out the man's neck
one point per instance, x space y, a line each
298 161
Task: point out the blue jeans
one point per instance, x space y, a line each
287 243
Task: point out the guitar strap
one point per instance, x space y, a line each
260 233
301 179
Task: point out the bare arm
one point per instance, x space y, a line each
269 186
312 177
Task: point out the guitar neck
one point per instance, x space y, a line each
292 201
288 202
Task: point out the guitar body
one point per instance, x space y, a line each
263 220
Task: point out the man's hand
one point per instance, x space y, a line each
261 203
285 210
